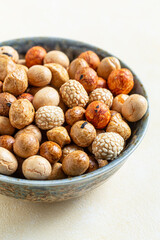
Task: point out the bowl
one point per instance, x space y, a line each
58 190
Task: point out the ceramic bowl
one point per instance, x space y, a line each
58 190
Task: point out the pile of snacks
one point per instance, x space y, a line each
60 119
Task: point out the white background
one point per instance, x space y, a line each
127 207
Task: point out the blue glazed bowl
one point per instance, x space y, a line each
58 190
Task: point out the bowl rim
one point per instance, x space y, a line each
88 176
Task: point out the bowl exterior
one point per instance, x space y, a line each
59 190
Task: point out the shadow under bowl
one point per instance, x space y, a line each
58 190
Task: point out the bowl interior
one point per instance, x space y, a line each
73 49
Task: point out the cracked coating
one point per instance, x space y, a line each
21 113
8 162
117 125
36 168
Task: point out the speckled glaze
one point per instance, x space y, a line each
59 190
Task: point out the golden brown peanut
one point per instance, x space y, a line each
35 56
83 133
75 163
47 96
107 65
16 82
75 65
31 129
119 126
1 87
118 102
26 145
39 76
98 114
7 141
6 66
68 149
88 78
74 114
91 58
51 151
134 108
59 135
57 57
59 74
5 126
21 113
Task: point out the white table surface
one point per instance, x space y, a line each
127 207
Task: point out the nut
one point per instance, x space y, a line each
120 81
10 52
75 163
103 95
83 133
57 172
8 162
91 58
21 113
107 65
26 145
75 65
101 83
36 168
68 149
59 135
27 96
35 56
73 94
57 57
118 102
107 146
39 76
59 74
6 66
16 82
134 108
102 163
74 114
117 125
93 165
87 77
98 114
48 117
6 99
31 129
5 126
47 96
51 151
7 141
